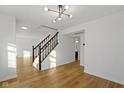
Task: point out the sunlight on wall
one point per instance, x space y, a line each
53 53
52 59
11 55
26 54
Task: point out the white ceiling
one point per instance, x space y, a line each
33 16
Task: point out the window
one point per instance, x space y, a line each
26 53
11 55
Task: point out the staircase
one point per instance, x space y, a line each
43 49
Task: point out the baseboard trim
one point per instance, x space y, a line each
103 77
8 79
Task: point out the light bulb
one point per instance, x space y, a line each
54 21
70 16
45 9
76 41
66 7
59 18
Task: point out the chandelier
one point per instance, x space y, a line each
60 12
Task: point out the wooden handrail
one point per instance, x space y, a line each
49 41
42 41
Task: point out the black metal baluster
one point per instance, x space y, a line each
39 57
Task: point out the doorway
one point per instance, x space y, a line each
79 41
79 45
77 48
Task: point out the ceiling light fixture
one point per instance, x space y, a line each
60 12
45 9
24 28
54 21
59 18
76 41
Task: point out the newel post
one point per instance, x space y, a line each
33 53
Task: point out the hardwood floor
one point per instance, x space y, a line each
66 76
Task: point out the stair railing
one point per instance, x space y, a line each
45 50
35 51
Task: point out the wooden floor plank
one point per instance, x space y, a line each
66 76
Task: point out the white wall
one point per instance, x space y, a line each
104 50
104 47
25 44
82 48
7 37
64 52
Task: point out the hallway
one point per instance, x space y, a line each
66 76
